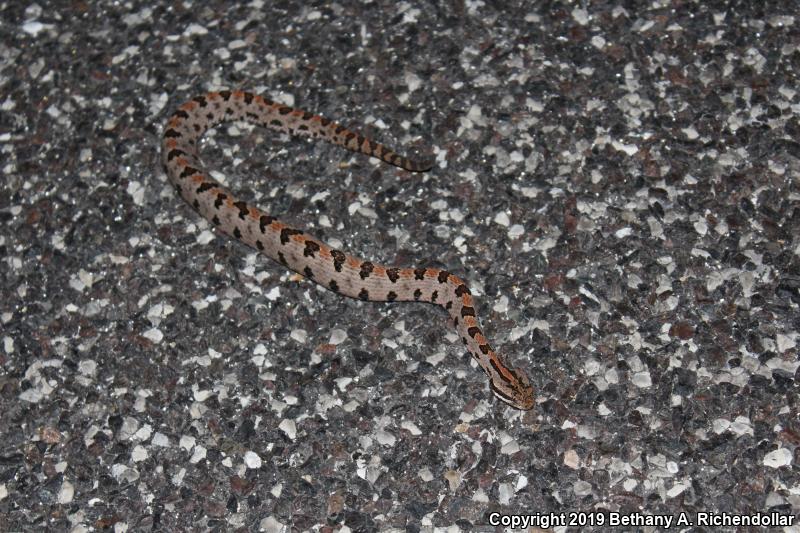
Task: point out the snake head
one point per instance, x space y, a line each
513 387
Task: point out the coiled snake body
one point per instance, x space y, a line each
333 269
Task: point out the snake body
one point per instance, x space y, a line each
331 268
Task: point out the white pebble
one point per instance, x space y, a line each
194 29
300 335
273 294
504 493
143 433
720 425
690 133
515 231
677 489
642 379
205 237
288 427
778 458
201 395
571 459
581 488
87 367
136 192
337 336
139 453
502 219
198 455
154 335
629 149
270 525
252 460
581 16
475 115
385 438
66 493
411 427
33 27
187 442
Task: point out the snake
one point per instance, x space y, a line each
334 269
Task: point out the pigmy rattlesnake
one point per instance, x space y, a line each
333 269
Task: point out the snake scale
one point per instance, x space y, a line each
293 248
